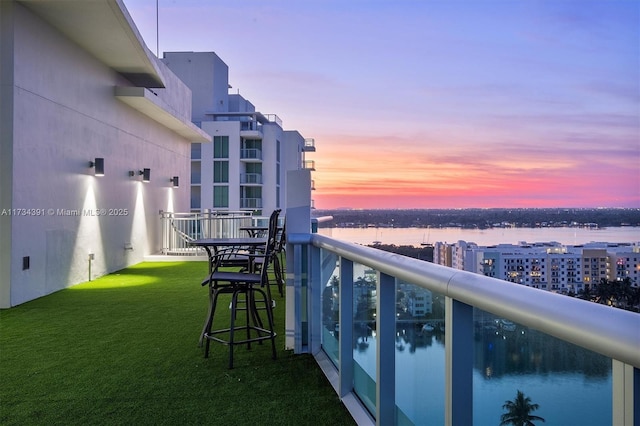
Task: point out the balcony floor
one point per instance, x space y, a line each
123 349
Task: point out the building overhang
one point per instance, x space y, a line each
151 105
105 29
252 115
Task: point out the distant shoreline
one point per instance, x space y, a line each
482 218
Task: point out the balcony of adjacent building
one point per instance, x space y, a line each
309 145
251 179
253 203
250 155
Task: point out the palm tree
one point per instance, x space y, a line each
519 412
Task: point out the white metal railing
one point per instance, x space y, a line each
179 229
608 331
274 119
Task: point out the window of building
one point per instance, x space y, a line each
195 197
221 147
196 151
220 196
220 171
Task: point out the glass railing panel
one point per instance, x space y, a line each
570 384
364 322
330 277
420 355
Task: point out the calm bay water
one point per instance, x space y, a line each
483 237
573 386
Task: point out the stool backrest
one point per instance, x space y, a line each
272 234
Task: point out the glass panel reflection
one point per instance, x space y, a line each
420 356
571 385
330 276
364 311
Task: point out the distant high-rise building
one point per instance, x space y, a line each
548 266
245 168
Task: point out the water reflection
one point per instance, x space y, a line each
504 348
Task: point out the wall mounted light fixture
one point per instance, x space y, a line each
145 173
175 181
98 164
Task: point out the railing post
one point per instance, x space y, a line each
385 350
458 363
626 389
345 319
298 216
297 297
314 289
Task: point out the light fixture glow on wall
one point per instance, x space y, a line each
175 181
145 173
98 164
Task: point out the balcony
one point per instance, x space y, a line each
123 349
309 165
251 155
390 368
309 145
251 129
250 203
349 309
251 178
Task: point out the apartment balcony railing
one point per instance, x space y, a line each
310 145
179 229
251 154
251 178
251 203
273 118
343 306
309 165
250 125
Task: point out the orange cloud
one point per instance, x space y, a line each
397 173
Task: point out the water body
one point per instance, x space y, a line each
483 237
573 386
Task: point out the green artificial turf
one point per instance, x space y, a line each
123 349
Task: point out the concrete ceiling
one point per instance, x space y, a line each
105 29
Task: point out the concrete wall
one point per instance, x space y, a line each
207 76
64 115
6 145
291 148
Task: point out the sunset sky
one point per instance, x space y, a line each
436 104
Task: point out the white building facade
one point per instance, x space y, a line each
79 86
246 166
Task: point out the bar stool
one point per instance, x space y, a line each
251 289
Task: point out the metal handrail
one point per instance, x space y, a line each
180 229
609 331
